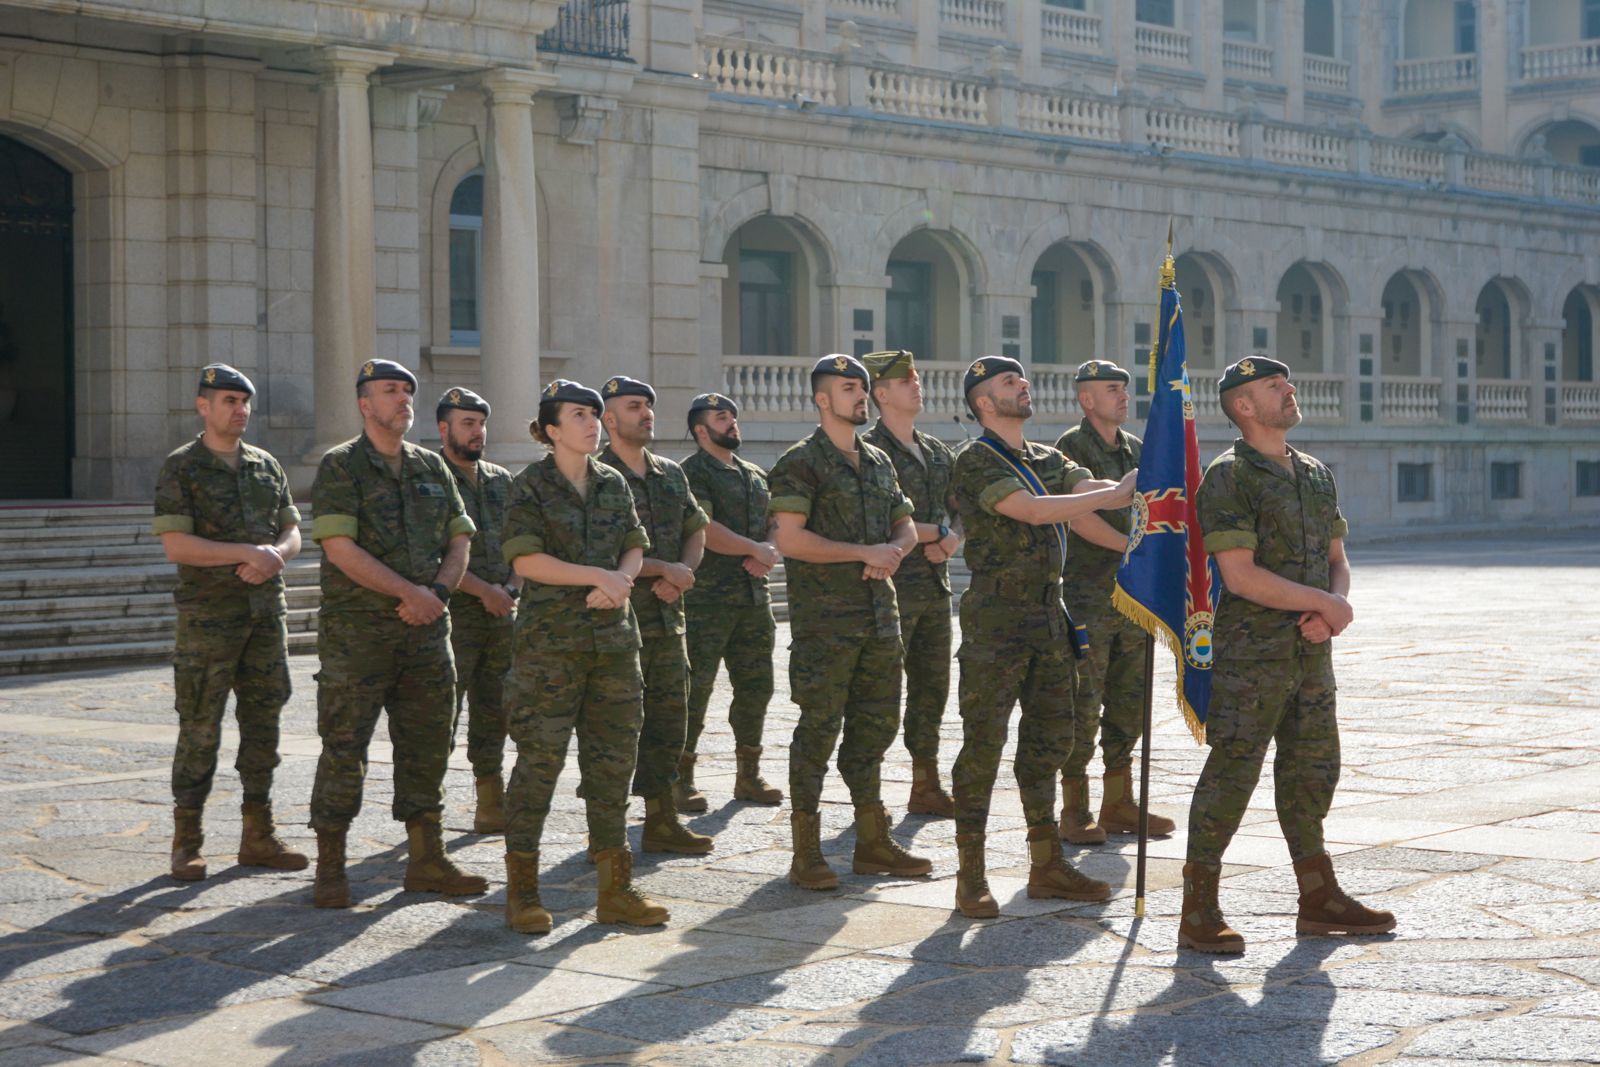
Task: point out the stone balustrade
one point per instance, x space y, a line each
1436 74
1298 146
927 96
1547 61
1500 401
1498 175
775 388
973 16
1063 115
1247 57
743 68
1408 400
1576 183
1070 29
1321 396
881 8
1408 161
1193 131
1161 43
941 389
1055 394
1325 72
1580 402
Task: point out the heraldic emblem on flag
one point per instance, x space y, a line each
1166 583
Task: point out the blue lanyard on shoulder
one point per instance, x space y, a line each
1029 479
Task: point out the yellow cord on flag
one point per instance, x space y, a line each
1169 280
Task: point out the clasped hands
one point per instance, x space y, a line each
1319 626
263 565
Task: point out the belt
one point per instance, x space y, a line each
1028 592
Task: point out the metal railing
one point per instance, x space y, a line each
589 28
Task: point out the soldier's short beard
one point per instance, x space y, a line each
471 455
729 440
1282 419
1013 408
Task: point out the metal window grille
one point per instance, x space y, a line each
589 28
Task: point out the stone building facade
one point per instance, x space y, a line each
1401 199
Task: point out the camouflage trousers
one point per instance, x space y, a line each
244 655
551 695
849 683
926 632
664 663
1254 703
371 663
742 635
1112 675
482 646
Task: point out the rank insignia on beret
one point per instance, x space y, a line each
978 369
841 363
550 390
211 375
455 396
714 402
612 385
1247 368
367 370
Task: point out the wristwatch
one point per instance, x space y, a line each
944 531
441 591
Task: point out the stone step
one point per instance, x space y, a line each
74 515
62 582
34 536
135 629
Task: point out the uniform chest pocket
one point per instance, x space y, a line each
430 502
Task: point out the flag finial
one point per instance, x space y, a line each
1169 272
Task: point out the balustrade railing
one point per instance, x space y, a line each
1501 175
1203 391
1247 57
1408 400
927 96
773 387
1324 72
1159 42
1576 183
1407 160
1193 131
1069 29
1502 401
1436 74
1321 396
880 8
744 68
1580 402
973 16
589 28
1300 147
1062 115
1545 61
1055 392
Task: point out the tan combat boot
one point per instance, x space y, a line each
490 815
973 898
428 869
685 797
332 888
748 783
187 863
1202 927
1077 825
808 869
618 901
877 852
524 913
1119 811
1326 909
664 833
1052 877
259 845
927 795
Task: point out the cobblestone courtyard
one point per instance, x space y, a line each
1470 805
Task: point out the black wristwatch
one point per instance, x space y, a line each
441 591
944 531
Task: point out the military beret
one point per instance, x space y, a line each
984 369
881 365
1101 370
569 391
842 366
460 398
384 370
222 376
1250 370
620 385
713 402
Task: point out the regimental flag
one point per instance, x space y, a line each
1166 583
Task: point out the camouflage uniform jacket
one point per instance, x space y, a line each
1248 501
1091 570
1016 566
199 494
668 509
927 482
814 479
485 503
404 523
736 496
547 515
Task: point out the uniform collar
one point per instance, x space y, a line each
1244 450
552 474
737 463
888 437
820 440
652 465
1121 444
377 458
210 458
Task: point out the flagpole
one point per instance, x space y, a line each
1144 775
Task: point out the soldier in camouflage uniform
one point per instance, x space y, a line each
1017 644
676 527
224 515
729 608
844 527
574 536
1112 671
483 607
395 538
922 584
1271 520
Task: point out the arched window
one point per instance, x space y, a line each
466 259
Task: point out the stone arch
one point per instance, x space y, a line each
1210 290
1075 290
1412 324
1041 239
955 227
797 259
1313 317
1561 140
718 228
1580 320
1502 310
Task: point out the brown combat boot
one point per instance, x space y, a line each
1326 909
524 913
187 863
1202 927
1119 810
808 869
664 833
927 795
490 815
748 783
973 898
332 888
685 797
877 852
1054 878
259 844
618 901
1077 825
428 869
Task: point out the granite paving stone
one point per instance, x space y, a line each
1526 1038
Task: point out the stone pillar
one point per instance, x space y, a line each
674 236
509 345
814 25
1205 47
1494 69
1027 33
1117 25
397 270
1292 60
925 53
344 319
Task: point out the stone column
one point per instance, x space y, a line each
1027 32
344 319
396 228
509 342
1494 68
926 50
1292 60
1205 46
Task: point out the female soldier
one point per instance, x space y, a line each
572 532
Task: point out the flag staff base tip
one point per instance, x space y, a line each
1138 907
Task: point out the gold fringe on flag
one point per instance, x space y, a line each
1151 623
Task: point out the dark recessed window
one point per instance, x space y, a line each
466 259
1588 477
1155 12
1505 481
1466 27
908 311
1415 483
766 300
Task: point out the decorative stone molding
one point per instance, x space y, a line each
583 117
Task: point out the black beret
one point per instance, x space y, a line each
842 366
1250 370
713 402
460 398
620 385
984 369
569 391
1101 370
222 376
384 370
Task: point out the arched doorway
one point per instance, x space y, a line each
769 303
1410 317
1499 340
1206 284
1068 309
1305 321
1570 142
36 438
926 308
1578 334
